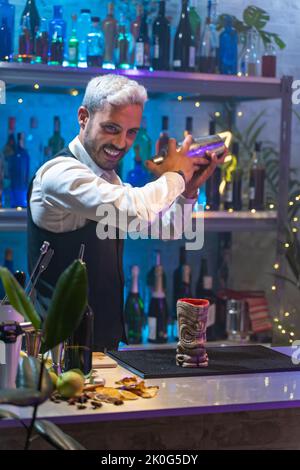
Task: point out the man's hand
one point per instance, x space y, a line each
177 159
202 174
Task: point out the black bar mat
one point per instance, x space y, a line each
160 363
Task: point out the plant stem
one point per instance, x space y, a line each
35 409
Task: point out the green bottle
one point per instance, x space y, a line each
73 46
56 142
134 310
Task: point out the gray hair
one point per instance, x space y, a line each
115 90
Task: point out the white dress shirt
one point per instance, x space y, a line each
66 193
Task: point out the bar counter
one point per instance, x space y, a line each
253 411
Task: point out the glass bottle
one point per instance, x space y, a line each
135 30
228 51
195 21
34 146
19 173
257 180
42 43
25 42
268 66
56 142
110 31
95 44
31 11
56 47
145 147
161 146
5 40
249 59
134 310
9 149
124 45
237 179
73 45
84 27
184 54
139 176
58 20
142 46
7 17
212 186
161 40
209 43
158 310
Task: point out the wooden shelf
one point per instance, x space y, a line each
209 86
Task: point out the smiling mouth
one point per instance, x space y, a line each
113 154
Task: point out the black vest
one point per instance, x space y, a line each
103 259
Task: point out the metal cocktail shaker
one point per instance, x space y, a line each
216 143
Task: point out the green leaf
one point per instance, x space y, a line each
67 305
255 17
18 299
55 436
28 374
280 43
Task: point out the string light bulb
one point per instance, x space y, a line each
240 113
20 101
180 98
197 104
295 219
286 245
276 266
291 203
273 288
287 314
217 114
271 206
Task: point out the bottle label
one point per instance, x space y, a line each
211 317
251 193
192 56
72 53
139 54
177 63
207 282
152 324
156 51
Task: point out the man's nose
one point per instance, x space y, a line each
120 140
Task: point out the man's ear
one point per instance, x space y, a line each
83 116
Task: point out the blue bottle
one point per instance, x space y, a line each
138 177
7 21
58 21
228 48
19 174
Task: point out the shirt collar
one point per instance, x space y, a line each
82 155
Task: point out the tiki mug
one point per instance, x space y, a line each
192 319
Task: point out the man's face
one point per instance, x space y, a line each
108 134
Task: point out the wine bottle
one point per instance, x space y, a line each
95 44
204 290
213 183
109 27
32 13
124 45
84 28
56 142
73 45
134 310
228 48
158 310
135 30
79 346
161 146
209 44
25 41
237 178
19 173
42 43
161 40
151 272
56 47
184 55
257 180
142 46
139 176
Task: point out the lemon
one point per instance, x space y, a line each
23 354
69 384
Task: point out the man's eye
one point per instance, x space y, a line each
111 128
133 132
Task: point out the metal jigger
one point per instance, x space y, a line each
57 358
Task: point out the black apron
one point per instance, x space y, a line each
103 259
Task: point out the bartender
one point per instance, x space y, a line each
66 191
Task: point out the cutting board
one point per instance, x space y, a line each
102 361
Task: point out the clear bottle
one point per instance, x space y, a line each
58 20
228 51
268 66
95 44
135 30
42 43
73 45
249 60
19 173
161 40
110 31
184 54
56 56
209 42
56 142
257 180
124 45
142 46
32 13
134 310
84 27
7 17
